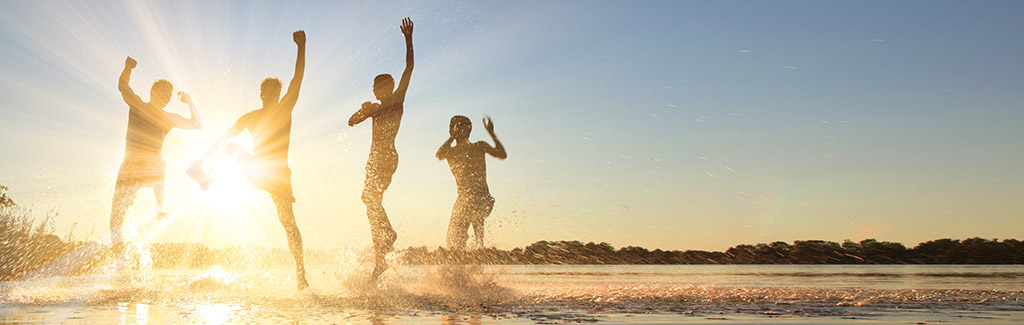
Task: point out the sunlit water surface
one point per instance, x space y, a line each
529 294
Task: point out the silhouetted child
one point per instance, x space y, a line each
148 125
267 169
466 160
383 161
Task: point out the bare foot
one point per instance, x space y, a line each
380 265
378 269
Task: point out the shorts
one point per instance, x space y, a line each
379 171
276 180
474 207
144 173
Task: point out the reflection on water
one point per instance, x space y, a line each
974 277
141 313
212 314
526 294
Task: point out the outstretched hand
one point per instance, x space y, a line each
185 98
406 27
488 124
130 63
299 37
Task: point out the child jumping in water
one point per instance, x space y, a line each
383 161
466 160
267 169
148 125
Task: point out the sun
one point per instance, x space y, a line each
229 212
230 196
229 185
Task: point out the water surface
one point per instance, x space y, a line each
530 294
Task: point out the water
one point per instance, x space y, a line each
530 294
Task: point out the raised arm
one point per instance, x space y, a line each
499 150
191 123
442 152
292 95
122 85
403 84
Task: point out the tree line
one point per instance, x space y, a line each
869 251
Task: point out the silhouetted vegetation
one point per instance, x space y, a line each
26 247
868 251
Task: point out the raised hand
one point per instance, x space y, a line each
499 150
185 98
299 37
406 27
488 124
130 63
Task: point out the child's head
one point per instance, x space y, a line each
383 86
460 127
270 91
160 92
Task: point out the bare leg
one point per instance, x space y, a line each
480 214
378 179
478 231
123 197
458 226
383 234
158 192
291 229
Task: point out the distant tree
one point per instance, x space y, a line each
1014 251
939 251
633 255
816 252
602 253
872 251
743 254
980 251
5 201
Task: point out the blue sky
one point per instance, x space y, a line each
680 125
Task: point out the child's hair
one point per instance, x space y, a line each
383 79
460 127
161 90
270 89
383 85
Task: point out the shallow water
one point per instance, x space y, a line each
530 294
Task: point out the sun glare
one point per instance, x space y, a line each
228 183
232 211
214 313
218 273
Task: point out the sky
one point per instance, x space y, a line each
663 124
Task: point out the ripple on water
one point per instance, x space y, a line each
469 293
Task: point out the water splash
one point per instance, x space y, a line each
550 294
